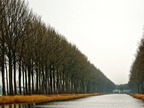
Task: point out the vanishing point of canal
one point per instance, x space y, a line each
103 101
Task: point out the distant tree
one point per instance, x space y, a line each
137 69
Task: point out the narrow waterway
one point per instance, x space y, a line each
103 101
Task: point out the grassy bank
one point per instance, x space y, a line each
41 98
138 96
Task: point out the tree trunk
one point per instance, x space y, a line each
7 80
51 79
14 64
29 79
37 78
3 67
20 91
26 89
10 74
32 81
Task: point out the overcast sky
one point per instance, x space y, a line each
106 31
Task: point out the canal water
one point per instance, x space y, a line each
103 101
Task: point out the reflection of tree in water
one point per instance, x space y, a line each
17 106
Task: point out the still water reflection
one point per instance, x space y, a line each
104 101
17 106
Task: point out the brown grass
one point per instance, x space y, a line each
138 96
41 98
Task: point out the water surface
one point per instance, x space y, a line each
102 101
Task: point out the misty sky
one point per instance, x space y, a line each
106 31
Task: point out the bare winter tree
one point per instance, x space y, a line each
41 60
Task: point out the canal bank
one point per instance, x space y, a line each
41 98
138 96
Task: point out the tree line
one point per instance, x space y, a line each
35 59
136 80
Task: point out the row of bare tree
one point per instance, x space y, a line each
137 70
34 59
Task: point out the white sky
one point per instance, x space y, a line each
106 31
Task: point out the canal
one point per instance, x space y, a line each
103 101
